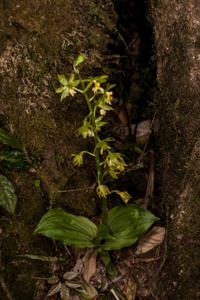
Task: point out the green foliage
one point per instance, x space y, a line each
69 229
37 183
126 225
80 59
8 198
122 225
13 158
10 140
123 228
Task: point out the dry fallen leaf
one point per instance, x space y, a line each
150 240
53 279
81 256
40 292
75 297
70 275
64 292
130 289
90 267
54 289
143 131
124 112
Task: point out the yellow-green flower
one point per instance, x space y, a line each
68 87
125 196
103 112
85 130
103 145
78 159
102 191
72 92
115 164
109 97
114 160
97 87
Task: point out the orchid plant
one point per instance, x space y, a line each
99 98
122 225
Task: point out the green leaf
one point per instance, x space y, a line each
126 224
104 106
80 59
65 93
7 138
110 267
103 233
110 87
87 292
99 123
101 79
62 79
71 79
70 229
37 183
88 86
60 89
8 198
13 158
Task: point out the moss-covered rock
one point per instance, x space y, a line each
38 40
176 34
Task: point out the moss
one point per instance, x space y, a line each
178 146
38 41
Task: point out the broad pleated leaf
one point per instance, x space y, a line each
8 198
126 224
70 229
7 138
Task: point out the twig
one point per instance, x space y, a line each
147 142
39 278
128 119
114 294
5 289
78 189
135 133
150 182
121 38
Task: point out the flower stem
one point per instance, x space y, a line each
96 151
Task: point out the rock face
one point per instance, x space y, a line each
38 40
177 27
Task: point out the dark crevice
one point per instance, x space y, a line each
135 73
